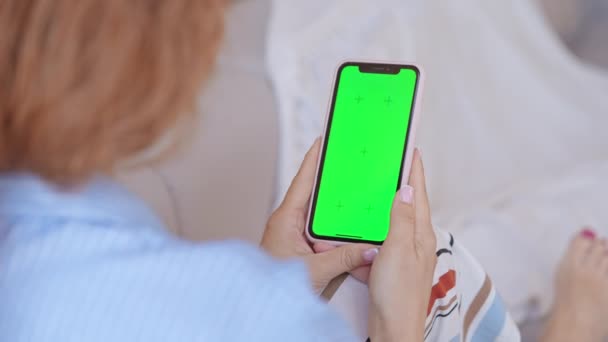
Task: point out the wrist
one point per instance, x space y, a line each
401 330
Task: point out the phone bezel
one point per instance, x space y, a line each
372 67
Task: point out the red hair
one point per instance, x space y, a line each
86 84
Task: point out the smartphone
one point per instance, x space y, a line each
366 152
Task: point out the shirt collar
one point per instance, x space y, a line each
101 199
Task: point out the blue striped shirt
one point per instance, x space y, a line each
95 264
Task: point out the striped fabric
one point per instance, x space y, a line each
464 306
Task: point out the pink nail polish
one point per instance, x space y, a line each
370 254
406 194
588 234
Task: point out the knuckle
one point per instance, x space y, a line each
426 245
426 251
347 258
431 239
403 213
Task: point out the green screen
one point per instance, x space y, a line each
365 148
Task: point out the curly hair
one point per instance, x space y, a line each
87 84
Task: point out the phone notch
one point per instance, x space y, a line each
379 68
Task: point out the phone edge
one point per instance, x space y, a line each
409 151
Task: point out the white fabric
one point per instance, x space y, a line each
505 104
520 238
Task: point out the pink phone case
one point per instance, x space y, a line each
409 153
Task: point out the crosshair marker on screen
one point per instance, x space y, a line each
388 101
339 205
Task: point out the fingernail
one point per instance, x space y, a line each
419 151
370 254
588 234
406 194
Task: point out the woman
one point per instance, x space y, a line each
89 84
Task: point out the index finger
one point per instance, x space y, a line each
301 187
418 182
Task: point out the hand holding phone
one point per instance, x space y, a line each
284 234
366 152
401 276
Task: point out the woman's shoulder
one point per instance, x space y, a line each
234 260
249 256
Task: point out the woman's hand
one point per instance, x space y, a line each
401 277
285 238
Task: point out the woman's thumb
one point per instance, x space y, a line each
334 262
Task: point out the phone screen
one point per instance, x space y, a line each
362 158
